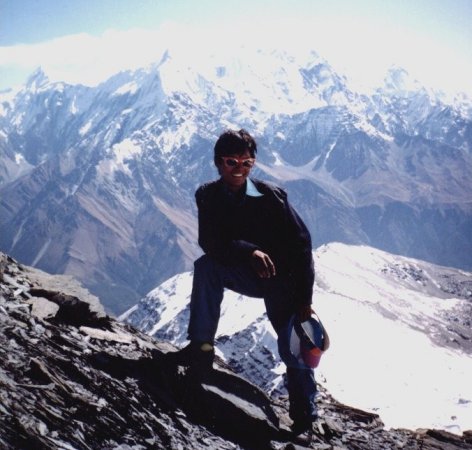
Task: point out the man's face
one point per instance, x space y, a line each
234 169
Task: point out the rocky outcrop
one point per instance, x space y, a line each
73 378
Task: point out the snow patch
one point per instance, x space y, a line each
118 157
280 135
85 129
41 252
381 312
126 149
170 139
128 88
73 107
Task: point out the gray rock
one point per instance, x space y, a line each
75 379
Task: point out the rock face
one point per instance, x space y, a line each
73 378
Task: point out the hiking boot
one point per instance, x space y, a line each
194 354
302 431
300 426
304 438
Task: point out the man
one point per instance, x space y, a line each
255 244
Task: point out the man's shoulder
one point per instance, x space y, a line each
207 190
208 186
265 187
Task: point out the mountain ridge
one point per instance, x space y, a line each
113 168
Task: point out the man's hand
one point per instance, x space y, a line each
304 312
262 264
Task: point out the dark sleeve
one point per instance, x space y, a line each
299 254
213 234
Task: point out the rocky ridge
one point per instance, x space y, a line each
73 378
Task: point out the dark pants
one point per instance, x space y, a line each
209 281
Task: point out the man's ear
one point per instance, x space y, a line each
218 165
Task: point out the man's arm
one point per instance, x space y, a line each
299 248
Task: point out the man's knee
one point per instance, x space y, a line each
207 268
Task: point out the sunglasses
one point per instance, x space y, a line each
231 161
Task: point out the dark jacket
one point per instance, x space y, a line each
231 226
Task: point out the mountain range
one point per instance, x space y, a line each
98 182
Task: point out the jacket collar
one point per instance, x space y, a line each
251 189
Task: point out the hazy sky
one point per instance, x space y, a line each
88 40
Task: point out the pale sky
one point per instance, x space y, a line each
87 41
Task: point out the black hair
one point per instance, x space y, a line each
233 142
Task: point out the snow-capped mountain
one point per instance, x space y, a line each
98 182
400 331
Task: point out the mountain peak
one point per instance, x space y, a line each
37 79
399 79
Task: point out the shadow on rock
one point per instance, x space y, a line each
221 401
